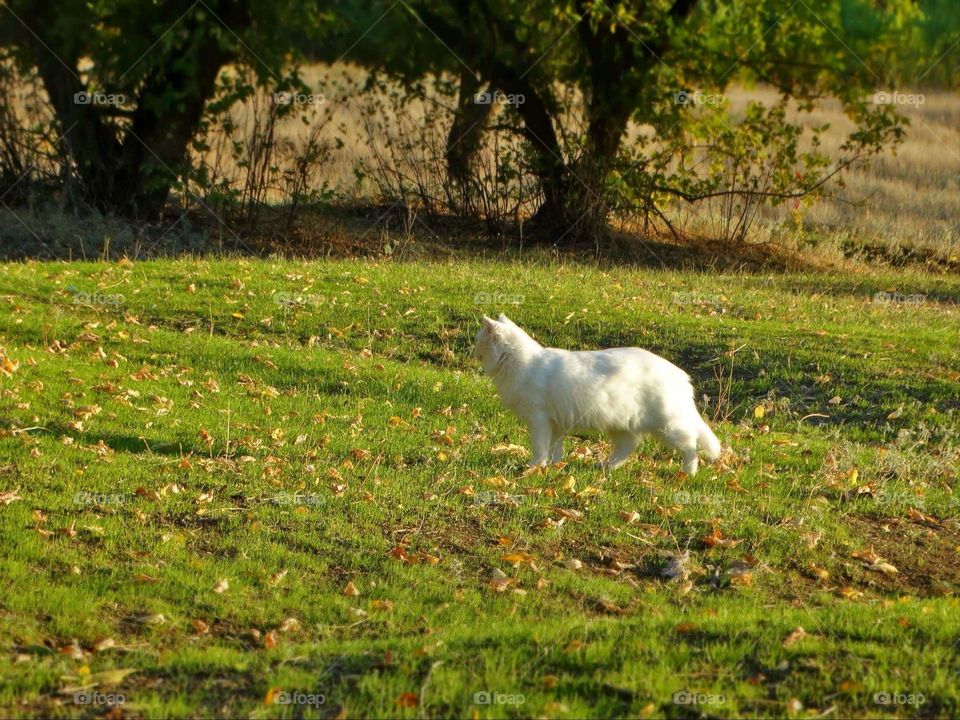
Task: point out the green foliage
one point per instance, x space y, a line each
629 66
150 70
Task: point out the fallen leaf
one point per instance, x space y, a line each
407 700
794 637
508 449
717 539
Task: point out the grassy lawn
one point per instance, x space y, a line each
271 488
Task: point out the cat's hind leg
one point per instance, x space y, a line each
624 443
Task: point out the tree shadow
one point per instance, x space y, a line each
365 230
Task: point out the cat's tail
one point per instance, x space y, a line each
707 442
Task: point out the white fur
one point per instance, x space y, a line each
623 392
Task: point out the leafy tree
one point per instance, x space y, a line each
129 81
648 122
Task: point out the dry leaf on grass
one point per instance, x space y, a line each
872 561
717 539
794 637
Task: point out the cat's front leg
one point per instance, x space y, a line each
541 436
556 448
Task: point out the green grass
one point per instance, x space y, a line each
198 430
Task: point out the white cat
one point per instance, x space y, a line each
623 392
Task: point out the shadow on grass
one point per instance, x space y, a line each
129 444
360 230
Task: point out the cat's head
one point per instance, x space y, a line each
501 337
495 339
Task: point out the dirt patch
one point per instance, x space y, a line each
926 557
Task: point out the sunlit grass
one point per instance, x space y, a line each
248 478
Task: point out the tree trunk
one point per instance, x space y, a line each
466 133
130 171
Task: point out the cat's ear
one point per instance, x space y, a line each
504 319
491 327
